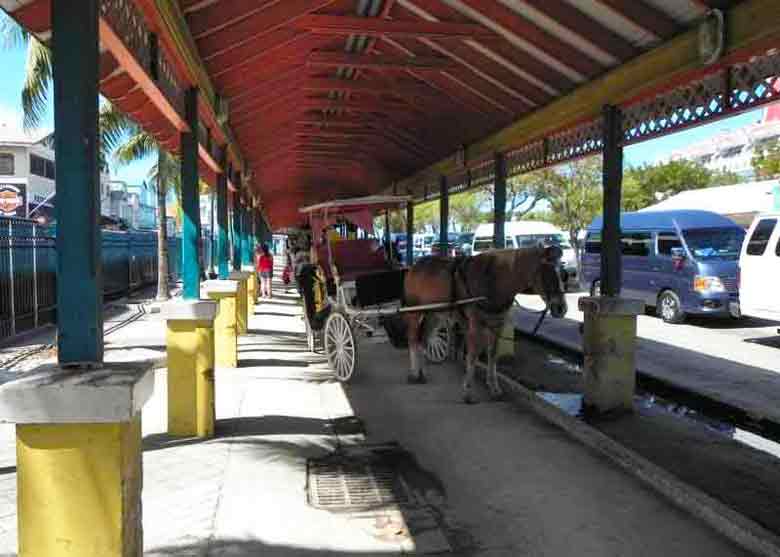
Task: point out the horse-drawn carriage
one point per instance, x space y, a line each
353 288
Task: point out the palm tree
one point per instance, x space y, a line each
120 136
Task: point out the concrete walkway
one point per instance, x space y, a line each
730 368
486 480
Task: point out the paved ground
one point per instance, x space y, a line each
735 362
491 480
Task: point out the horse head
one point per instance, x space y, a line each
547 281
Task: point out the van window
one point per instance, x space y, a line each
760 238
715 243
636 244
593 243
483 244
667 241
530 240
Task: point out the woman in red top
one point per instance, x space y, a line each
264 265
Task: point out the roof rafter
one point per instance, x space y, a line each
376 62
348 25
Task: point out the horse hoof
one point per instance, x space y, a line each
497 396
422 380
469 399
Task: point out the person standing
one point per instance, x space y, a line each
265 268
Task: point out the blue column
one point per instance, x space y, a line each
499 202
246 240
222 231
444 215
79 273
237 210
190 197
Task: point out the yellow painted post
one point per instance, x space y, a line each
609 346
252 287
225 292
506 337
242 277
190 343
78 459
79 489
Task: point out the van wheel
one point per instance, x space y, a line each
669 307
595 288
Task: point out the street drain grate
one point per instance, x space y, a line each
341 484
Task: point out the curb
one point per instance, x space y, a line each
733 525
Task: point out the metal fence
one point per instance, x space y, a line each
28 269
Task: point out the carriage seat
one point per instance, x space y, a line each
354 258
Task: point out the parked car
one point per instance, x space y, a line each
520 234
423 244
463 243
759 269
452 246
680 262
400 240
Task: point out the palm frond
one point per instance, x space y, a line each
138 146
38 78
114 129
12 35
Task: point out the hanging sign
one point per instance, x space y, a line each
12 202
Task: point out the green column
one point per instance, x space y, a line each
246 247
189 198
237 210
79 272
222 231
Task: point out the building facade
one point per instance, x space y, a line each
733 151
27 172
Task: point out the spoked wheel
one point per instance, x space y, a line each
438 347
340 346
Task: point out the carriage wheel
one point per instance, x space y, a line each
340 346
438 345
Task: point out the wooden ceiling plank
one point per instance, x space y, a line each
260 23
349 25
645 16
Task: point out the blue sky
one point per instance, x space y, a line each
13 64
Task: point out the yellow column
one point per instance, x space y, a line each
252 288
78 458
190 342
79 489
225 293
609 347
242 305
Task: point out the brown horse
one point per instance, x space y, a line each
498 276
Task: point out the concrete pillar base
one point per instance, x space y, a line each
190 342
609 346
252 288
79 465
506 338
242 277
226 293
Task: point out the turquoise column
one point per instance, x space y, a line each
190 197
222 218
246 240
237 230
79 272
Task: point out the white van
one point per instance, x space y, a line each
525 233
759 269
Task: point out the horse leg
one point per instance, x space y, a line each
415 374
472 351
491 376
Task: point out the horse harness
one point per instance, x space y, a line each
459 272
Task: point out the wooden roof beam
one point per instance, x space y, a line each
376 62
348 25
645 16
258 24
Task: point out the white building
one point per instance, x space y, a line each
733 150
26 173
740 202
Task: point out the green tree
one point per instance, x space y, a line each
766 160
466 210
573 192
426 215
